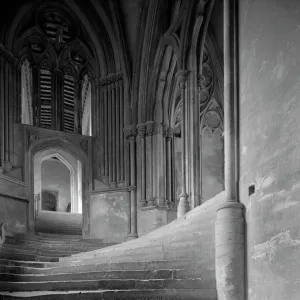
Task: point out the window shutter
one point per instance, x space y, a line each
46 99
69 107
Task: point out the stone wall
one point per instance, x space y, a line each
269 145
109 216
13 205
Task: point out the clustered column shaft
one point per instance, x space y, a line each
130 134
142 133
112 122
183 205
229 229
7 94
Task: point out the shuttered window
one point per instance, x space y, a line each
69 104
46 99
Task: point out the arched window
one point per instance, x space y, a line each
26 96
86 106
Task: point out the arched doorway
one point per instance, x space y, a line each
57 191
65 216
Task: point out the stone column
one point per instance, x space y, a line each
113 183
130 134
150 125
142 133
169 181
229 235
183 205
57 111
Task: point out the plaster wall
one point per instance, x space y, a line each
56 177
269 47
109 216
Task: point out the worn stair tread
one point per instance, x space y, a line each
116 274
37 264
105 284
170 294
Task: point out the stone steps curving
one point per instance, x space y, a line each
173 262
153 294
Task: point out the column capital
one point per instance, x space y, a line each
150 128
141 130
158 128
168 132
130 132
181 77
132 188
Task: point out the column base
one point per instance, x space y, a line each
132 236
151 202
230 251
143 202
183 205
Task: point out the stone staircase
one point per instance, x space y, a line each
173 262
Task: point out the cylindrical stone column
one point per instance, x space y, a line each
105 130
118 133
169 166
183 205
141 128
130 133
150 125
229 238
113 135
122 148
110 137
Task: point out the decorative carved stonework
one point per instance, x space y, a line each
200 81
168 132
31 137
109 79
132 188
150 128
130 132
206 80
181 77
84 145
141 128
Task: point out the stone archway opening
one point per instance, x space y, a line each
57 191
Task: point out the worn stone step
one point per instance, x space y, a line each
57 235
153 294
125 255
129 274
52 268
62 247
110 284
88 243
43 252
27 257
24 263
